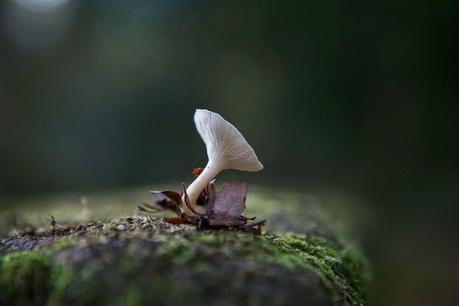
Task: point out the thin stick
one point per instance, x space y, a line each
187 201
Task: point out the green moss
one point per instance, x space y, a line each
140 260
342 268
134 297
25 278
61 280
31 278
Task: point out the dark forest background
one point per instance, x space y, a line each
359 98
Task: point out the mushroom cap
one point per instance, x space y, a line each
224 143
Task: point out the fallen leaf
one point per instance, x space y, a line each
168 199
227 205
230 200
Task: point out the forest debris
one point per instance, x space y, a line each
53 224
228 205
166 200
197 171
199 203
223 209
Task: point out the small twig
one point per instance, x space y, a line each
53 224
258 226
261 222
187 201
244 218
140 208
148 208
152 207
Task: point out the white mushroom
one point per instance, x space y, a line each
226 149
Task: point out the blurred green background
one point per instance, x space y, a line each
354 100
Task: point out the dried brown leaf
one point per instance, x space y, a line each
175 221
227 205
167 199
230 200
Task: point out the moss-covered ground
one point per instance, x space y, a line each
141 260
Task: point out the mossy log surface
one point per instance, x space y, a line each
141 260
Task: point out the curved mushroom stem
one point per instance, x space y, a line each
194 190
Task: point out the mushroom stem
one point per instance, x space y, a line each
194 190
